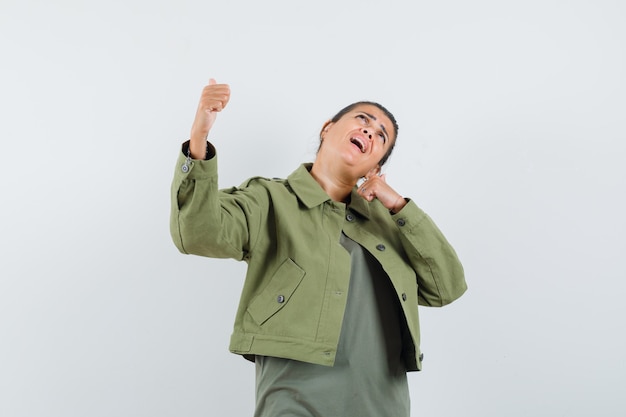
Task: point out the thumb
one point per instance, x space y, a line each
212 81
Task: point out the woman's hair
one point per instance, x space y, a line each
387 113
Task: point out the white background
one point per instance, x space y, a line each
512 138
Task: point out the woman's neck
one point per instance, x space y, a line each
337 187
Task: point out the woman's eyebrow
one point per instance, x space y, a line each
382 126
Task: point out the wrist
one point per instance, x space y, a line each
197 148
398 205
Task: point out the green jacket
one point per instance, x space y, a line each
288 230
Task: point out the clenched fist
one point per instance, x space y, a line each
213 100
375 186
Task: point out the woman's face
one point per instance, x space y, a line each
359 139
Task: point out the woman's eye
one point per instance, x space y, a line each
380 135
362 117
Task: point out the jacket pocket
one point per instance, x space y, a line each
277 293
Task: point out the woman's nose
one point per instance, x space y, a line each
366 132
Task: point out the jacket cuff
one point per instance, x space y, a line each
187 168
409 217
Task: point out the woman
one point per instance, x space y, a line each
329 307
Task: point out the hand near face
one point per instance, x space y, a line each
375 186
213 99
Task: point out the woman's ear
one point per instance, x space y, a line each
325 128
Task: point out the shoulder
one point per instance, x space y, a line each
259 181
272 188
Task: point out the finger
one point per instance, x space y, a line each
368 196
218 103
367 191
225 98
216 96
212 81
216 90
372 172
213 90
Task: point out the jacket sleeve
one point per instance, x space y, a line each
440 275
207 221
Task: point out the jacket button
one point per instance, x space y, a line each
185 168
380 247
421 357
280 299
350 217
401 222
403 296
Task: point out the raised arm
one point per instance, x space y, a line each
213 99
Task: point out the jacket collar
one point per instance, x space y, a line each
311 194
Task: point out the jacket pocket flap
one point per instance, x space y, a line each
277 293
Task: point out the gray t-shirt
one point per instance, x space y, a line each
369 375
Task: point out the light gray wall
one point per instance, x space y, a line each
511 137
